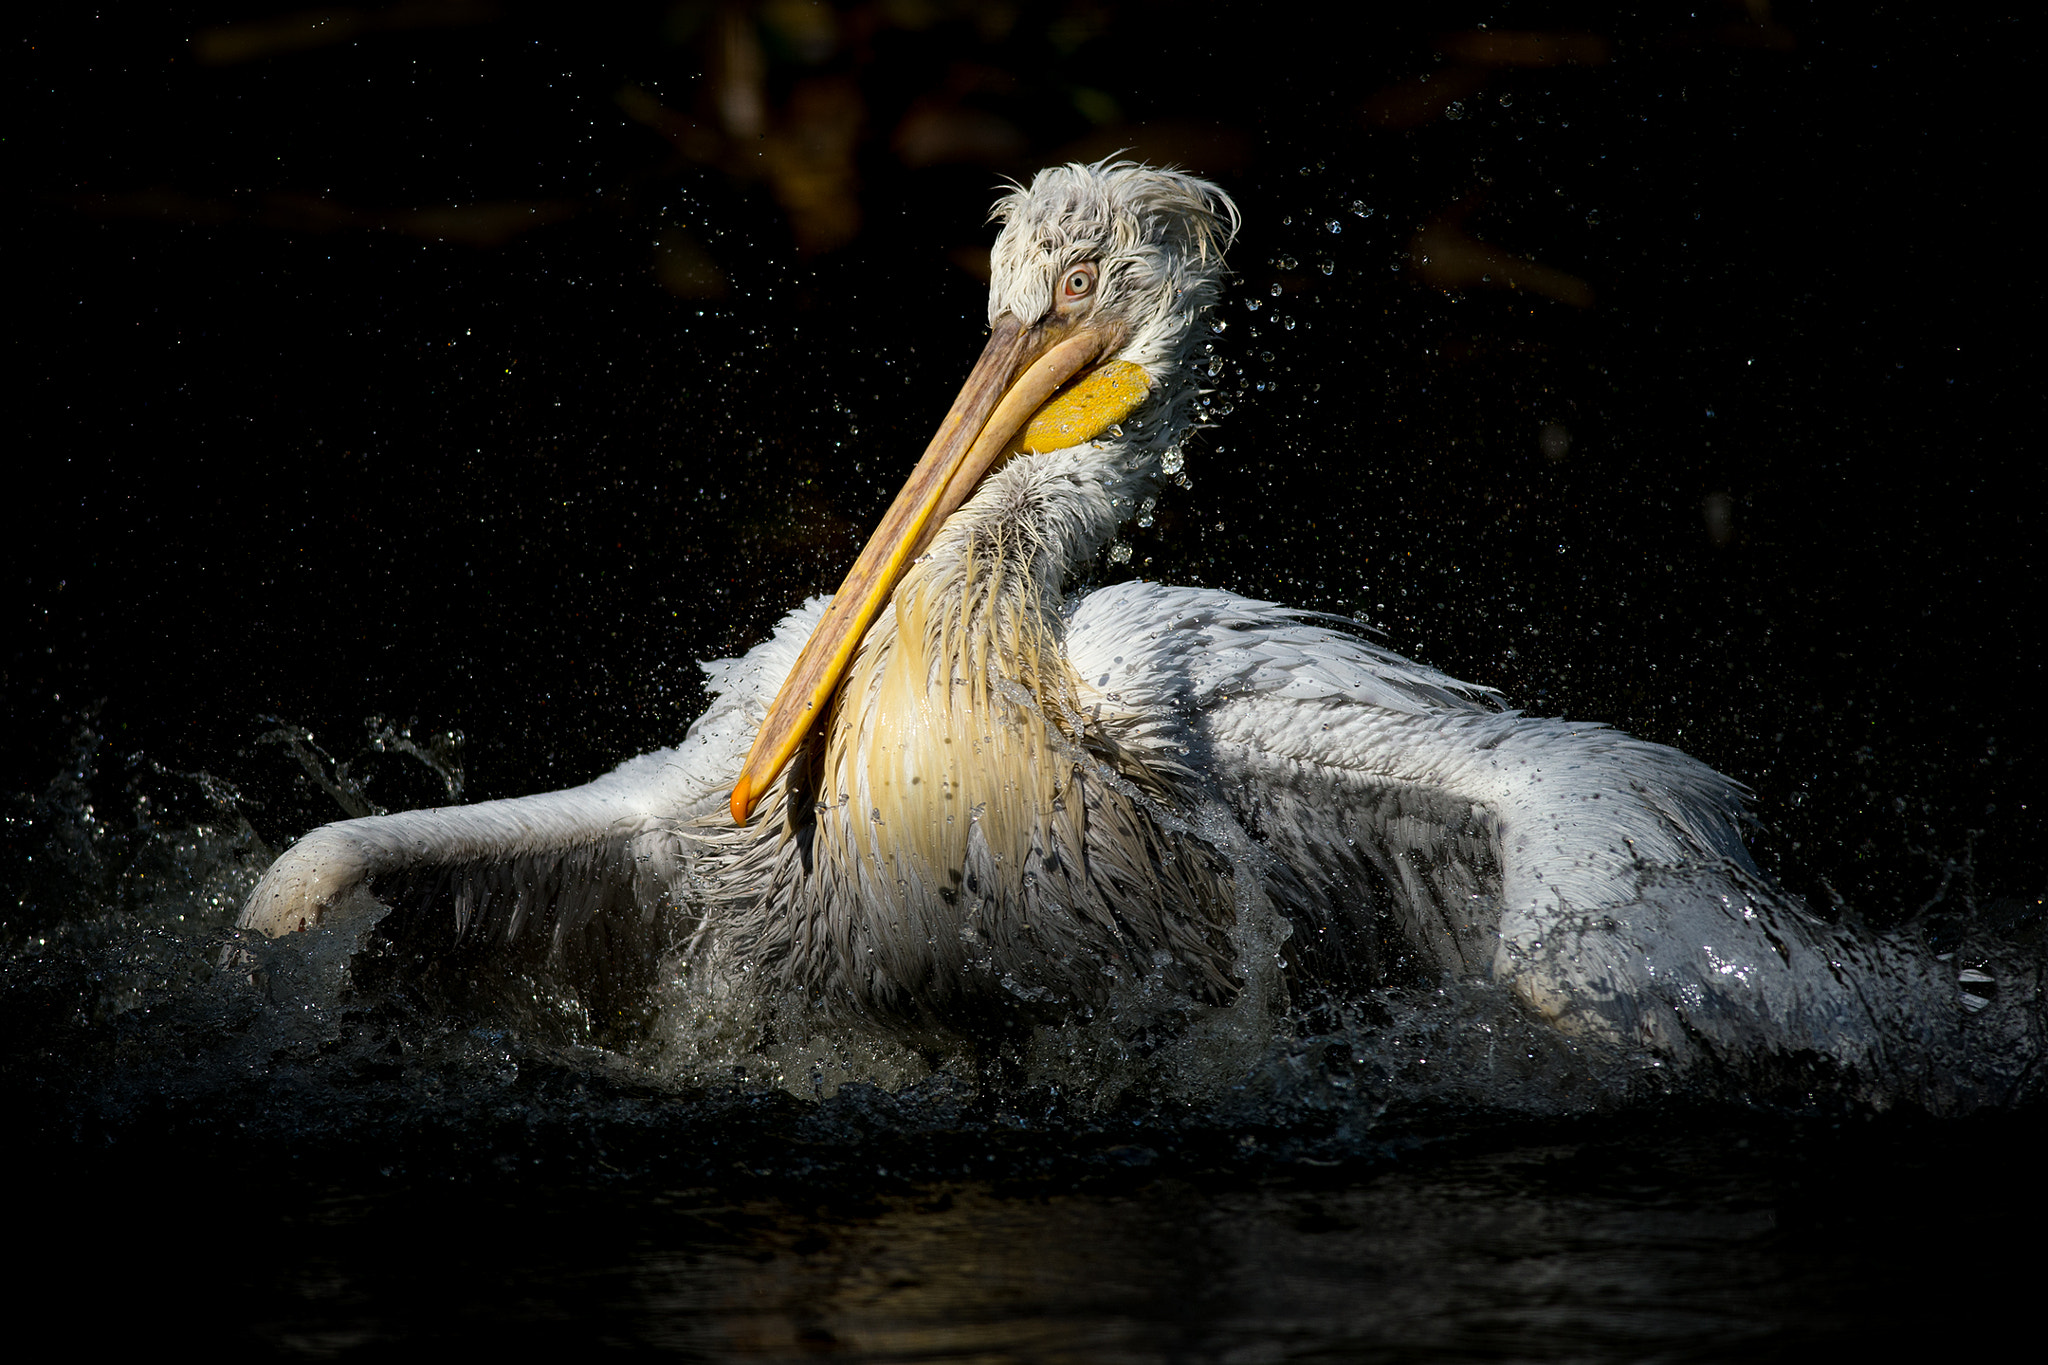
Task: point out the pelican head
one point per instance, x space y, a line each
934 803
1147 244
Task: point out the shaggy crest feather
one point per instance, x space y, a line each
1158 235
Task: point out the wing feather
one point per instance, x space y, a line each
1414 823
572 869
1601 877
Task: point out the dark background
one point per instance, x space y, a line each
480 366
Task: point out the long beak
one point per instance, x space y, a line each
1019 370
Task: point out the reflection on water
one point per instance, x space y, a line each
1468 1256
1644 1243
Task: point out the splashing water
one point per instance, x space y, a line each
122 953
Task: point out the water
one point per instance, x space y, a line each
1639 1244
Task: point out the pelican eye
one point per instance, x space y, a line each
1078 284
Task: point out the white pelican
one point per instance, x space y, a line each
951 800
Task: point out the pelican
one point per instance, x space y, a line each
952 801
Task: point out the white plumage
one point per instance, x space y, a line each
1018 808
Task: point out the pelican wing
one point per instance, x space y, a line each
567 863
577 868
1600 876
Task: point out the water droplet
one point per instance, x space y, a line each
1361 208
1119 553
1327 266
1219 326
1276 291
1173 460
1334 226
1284 263
1455 111
1252 304
1288 324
